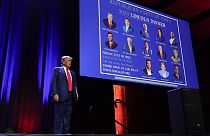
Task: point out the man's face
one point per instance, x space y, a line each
159 33
110 37
148 65
176 70
110 17
176 53
172 35
127 23
145 27
160 48
146 44
67 62
163 67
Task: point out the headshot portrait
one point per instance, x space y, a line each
108 22
146 50
172 40
163 73
176 73
161 54
175 57
147 70
127 28
110 43
144 32
160 37
129 48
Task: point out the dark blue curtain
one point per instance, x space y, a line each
31 44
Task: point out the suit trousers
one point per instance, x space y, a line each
62 115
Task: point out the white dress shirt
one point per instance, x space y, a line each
149 72
66 73
126 28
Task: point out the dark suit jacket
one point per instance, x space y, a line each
145 71
144 34
126 48
174 42
59 84
164 55
177 77
114 44
145 53
106 23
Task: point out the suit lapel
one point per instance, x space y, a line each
129 29
64 74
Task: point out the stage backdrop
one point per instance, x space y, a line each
31 44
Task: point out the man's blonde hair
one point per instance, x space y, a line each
65 57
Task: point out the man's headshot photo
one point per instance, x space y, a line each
146 50
127 28
175 57
144 32
147 70
109 23
129 48
110 43
160 37
172 40
163 73
161 54
176 73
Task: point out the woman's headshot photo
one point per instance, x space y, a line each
160 37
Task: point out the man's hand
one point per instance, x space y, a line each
76 99
56 97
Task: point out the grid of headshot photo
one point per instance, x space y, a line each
152 50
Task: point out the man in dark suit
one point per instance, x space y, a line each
176 73
161 53
144 32
110 43
64 94
172 40
146 50
109 23
147 70
129 48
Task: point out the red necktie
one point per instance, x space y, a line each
161 55
110 26
110 45
69 80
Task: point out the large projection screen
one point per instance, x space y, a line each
120 40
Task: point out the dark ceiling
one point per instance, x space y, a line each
197 12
